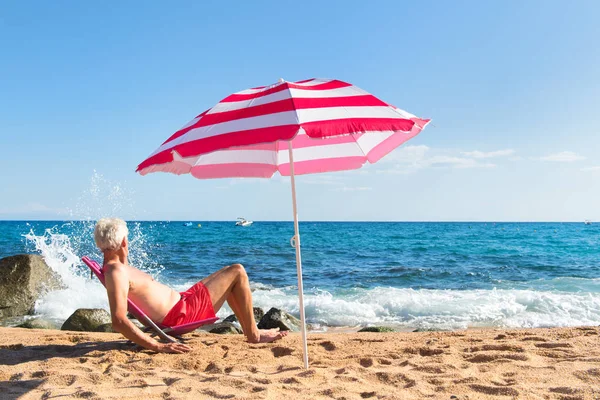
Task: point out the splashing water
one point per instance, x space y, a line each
80 291
104 198
62 252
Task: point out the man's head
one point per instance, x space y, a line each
110 234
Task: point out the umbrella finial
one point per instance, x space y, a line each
281 80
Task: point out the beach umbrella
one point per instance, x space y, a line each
294 128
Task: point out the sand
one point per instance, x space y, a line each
475 364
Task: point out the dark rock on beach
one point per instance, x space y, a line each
87 320
223 328
428 330
276 318
105 328
377 329
137 323
23 279
231 318
258 314
37 323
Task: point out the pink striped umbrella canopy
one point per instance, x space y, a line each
332 126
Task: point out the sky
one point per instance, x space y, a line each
89 90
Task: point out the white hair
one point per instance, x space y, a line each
109 233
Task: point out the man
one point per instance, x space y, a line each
164 305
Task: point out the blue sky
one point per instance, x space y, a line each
87 91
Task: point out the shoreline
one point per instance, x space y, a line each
319 221
548 363
327 329
13 322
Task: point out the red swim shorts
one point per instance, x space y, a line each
195 305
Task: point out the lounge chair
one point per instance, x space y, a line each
161 330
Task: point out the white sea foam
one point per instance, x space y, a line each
436 309
80 291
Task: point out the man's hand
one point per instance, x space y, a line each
177 348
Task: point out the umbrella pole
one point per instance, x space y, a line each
296 244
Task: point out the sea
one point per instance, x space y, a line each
407 275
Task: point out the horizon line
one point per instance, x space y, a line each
301 221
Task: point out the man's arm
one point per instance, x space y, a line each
117 287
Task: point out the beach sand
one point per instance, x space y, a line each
559 363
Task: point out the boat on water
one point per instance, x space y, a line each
241 221
588 222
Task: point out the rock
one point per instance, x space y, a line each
223 328
377 329
276 318
86 319
231 318
258 314
428 330
23 279
37 323
105 328
137 323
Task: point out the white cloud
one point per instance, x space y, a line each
353 189
319 179
231 182
563 156
489 154
328 179
33 208
410 159
592 169
457 162
408 154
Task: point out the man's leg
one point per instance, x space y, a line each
231 283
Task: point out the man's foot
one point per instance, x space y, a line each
268 335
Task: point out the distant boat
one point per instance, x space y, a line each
187 224
588 222
241 221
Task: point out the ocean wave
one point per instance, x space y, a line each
435 309
441 309
407 308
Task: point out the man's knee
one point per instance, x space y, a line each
239 270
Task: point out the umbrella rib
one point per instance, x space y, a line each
287 86
357 144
